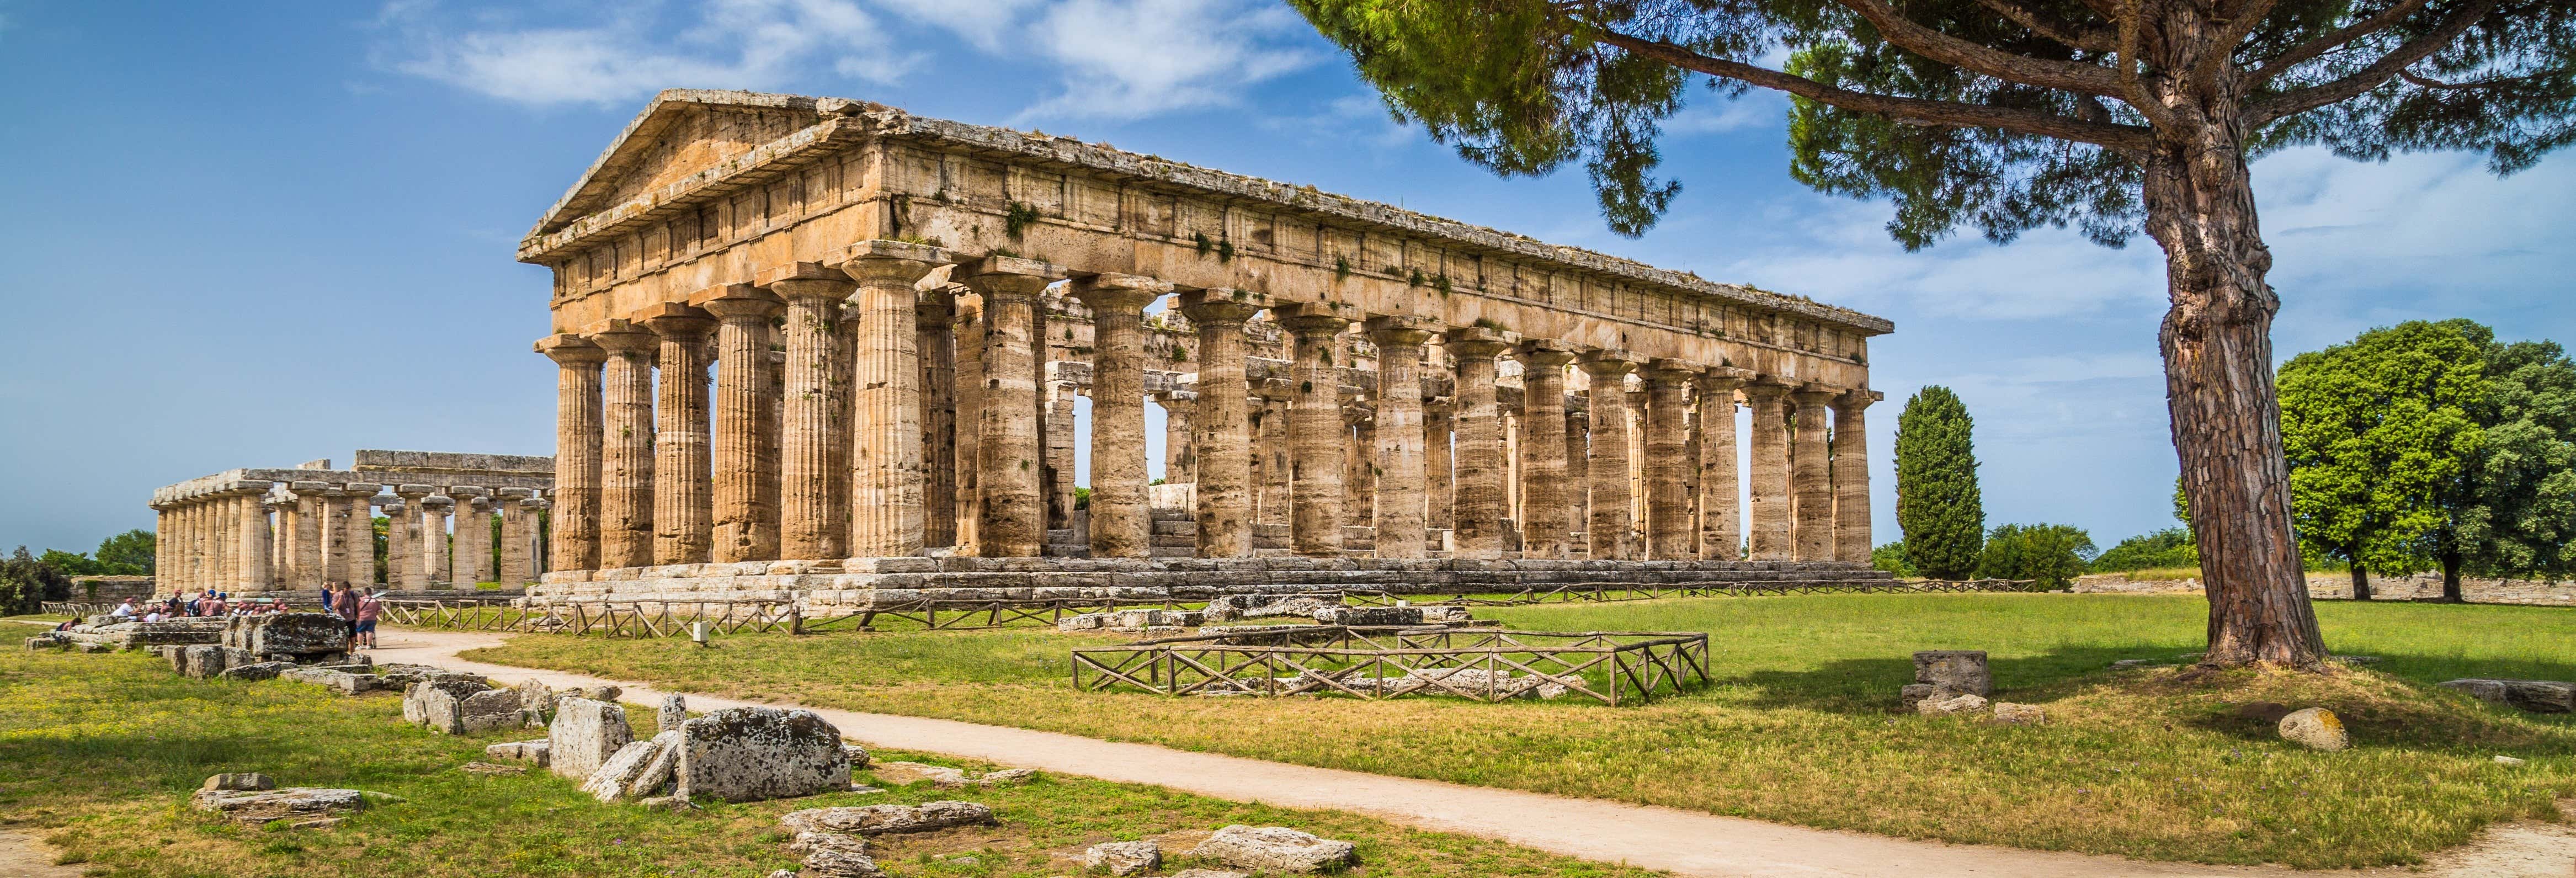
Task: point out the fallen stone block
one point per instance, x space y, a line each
658 770
1369 616
908 773
2008 713
1275 848
1955 670
889 819
439 703
203 661
248 781
1248 606
748 754
840 864
257 671
1210 873
584 734
267 806
858 755
1123 858
2315 728
674 711
620 771
46 641
288 633
1955 704
345 682
490 768
2535 696
523 751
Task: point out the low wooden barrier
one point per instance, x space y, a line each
1610 667
639 618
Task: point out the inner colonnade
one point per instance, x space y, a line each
253 531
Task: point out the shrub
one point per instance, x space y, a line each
2171 547
1891 558
2050 554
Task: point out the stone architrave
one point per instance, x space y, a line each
626 447
1315 427
578 424
1721 519
1851 475
888 479
1223 423
1120 519
1811 480
683 489
1545 510
1478 515
1768 497
745 526
1401 507
1610 489
814 412
1012 520
934 310
1671 535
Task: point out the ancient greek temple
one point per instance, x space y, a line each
808 344
252 531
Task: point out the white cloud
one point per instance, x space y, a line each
633 53
1718 114
1122 59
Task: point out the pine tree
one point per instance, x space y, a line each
1937 502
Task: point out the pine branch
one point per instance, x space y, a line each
2242 16
2296 101
1966 55
2308 51
2065 33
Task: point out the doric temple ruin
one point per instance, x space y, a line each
897 311
252 531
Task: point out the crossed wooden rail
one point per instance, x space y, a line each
1605 592
1611 667
635 618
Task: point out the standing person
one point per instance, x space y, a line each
369 608
326 599
344 604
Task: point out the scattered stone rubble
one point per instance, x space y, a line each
1252 606
833 840
1942 675
110 634
254 799
1123 858
944 777
2535 696
1134 621
1275 848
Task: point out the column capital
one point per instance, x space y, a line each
568 349
1477 342
251 486
622 337
805 280
738 300
1399 330
1814 394
1766 387
674 321
414 492
1668 371
1315 318
394 506
1607 362
535 504
1856 399
1721 379
436 503
1543 353
307 489
360 489
882 261
1222 305
1009 275
514 493
1119 292
460 492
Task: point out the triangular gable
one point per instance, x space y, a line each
682 132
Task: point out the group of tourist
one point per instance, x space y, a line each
360 609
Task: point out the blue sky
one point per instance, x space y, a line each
252 234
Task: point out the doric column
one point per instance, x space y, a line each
307 535
330 516
1721 522
1273 402
1545 509
773 412
1056 432
1479 511
1670 533
400 536
1223 437
251 534
1768 498
528 512
1609 490
1810 474
1439 470
578 422
518 535
933 312
1851 475
1315 427
220 531
887 475
1401 505
436 563
360 533
683 483
969 308
626 448
1359 464
1180 457
815 411
1012 522
473 550
413 573
1120 523
743 528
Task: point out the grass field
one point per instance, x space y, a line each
101 751
1801 727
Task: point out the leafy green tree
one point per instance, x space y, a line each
71 564
26 582
2374 430
2007 115
2171 547
1938 505
131 553
1891 558
2512 510
2051 555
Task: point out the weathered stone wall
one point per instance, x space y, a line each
2338 586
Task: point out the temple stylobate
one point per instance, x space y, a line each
823 346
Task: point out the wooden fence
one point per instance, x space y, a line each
638 618
1610 667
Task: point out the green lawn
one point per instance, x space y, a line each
1801 725
101 751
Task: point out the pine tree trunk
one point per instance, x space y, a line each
2218 383
2360 582
2451 578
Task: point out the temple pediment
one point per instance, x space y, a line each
681 133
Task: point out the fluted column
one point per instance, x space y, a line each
1479 512
626 448
683 480
970 419
1223 428
1670 532
1851 475
1721 521
527 512
1811 479
1401 505
1359 492
251 535
739 464
518 535
436 564
1439 469
362 534
1315 428
1768 498
301 550
472 559
1012 521
1057 434
412 573
219 525
400 536
1578 472
1120 520
815 411
1610 490
1180 455
888 479
933 312
1545 509
1274 403
578 422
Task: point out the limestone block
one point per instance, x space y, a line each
889 819
244 781
1951 704
2315 728
674 711
1123 858
287 633
746 754
585 733
1957 670
257 671
522 751
1369 616
1276 848
2536 696
2008 713
621 771
204 661
658 769
271 805
1209 873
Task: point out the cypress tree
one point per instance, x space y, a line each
1937 502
